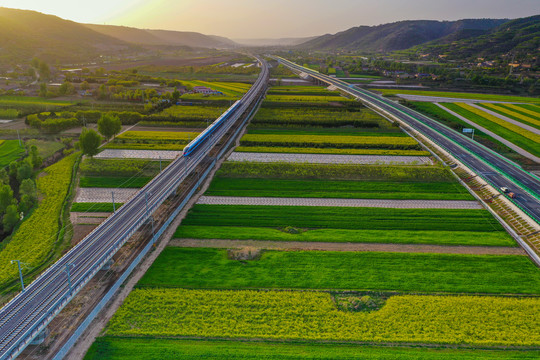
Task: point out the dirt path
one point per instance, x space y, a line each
375 203
328 246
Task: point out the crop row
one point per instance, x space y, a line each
94 207
329 141
143 145
377 271
297 150
177 113
113 181
314 316
251 187
517 135
318 117
156 136
514 114
306 99
120 167
335 172
342 218
427 237
136 348
512 127
35 239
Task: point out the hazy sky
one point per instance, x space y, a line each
271 18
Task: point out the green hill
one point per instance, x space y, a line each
162 37
26 34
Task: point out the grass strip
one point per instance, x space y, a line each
284 170
250 187
342 218
94 207
414 272
450 238
130 348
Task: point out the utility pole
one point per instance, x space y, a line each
20 272
19 136
160 163
113 204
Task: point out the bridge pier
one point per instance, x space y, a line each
108 265
40 338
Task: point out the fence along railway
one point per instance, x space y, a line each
28 314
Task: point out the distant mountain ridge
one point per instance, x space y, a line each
275 42
25 34
162 37
400 35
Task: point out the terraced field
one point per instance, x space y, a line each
526 140
152 140
229 302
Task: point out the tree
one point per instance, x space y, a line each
28 188
24 171
66 88
85 85
34 157
175 96
89 142
6 198
109 125
26 204
4 177
43 90
11 218
44 71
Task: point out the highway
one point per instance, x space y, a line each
30 311
492 167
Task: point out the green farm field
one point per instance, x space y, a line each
121 167
94 207
297 171
337 189
113 181
10 151
295 315
377 271
138 348
426 237
319 118
342 218
24 101
461 95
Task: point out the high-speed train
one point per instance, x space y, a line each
202 137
